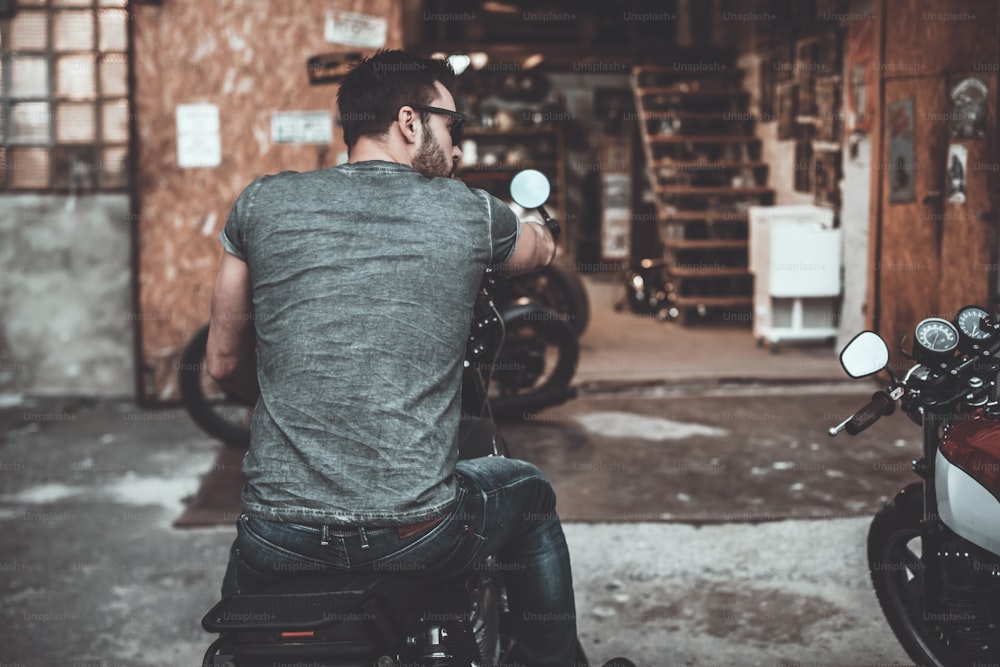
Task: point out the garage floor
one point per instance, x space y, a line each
710 519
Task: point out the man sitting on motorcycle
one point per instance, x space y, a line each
343 304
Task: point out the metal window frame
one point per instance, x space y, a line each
100 144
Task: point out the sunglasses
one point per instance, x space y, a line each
458 121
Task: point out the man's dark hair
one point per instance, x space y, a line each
372 93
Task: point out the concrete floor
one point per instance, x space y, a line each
94 574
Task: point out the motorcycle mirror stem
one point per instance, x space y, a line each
551 223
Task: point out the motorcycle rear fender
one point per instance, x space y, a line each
966 506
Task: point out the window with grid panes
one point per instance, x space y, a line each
63 96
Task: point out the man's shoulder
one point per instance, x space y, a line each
460 190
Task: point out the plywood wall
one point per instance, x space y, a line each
248 57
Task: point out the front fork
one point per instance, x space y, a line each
933 532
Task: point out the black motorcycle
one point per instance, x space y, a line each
390 619
556 287
542 313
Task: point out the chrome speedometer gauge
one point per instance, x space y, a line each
935 338
970 323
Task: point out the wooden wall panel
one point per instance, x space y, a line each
909 264
969 242
930 36
932 256
249 58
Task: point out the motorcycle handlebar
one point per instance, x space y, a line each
880 405
550 223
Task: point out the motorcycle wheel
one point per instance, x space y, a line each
559 288
214 410
897 571
537 360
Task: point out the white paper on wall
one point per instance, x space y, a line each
198 143
355 29
301 127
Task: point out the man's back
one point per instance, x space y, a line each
364 277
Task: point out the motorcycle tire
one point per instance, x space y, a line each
536 363
897 575
221 415
560 288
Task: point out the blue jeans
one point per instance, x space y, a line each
503 506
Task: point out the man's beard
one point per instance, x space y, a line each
430 160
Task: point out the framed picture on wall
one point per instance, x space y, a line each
784 60
828 54
768 76
829 116
786 106
805 167
901 123
859 68
826 179
806 66
969 107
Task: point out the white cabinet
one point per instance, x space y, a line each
796 258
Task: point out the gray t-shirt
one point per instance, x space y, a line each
364 278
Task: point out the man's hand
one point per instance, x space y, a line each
231 355
535 248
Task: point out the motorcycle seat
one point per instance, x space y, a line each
315 601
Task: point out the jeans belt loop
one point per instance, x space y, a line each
364 537
325 539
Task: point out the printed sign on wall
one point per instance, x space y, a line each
198 143
355 29
301 127
902 161
958 162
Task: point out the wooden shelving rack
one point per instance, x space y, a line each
513 149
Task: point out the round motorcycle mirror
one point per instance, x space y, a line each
530 188
867 353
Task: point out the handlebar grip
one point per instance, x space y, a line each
880 405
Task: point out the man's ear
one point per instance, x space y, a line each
408 121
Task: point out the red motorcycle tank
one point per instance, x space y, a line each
967 481
974 446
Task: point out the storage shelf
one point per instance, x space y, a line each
714 73
681 92
684 271
721 139
712 190
713 301
494 132
705 244
715 116
530 140
710 216
721 165
504 168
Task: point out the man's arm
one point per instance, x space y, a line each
231 357
535 248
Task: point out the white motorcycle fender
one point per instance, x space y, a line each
966 507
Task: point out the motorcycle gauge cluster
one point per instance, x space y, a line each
935 339
970 328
